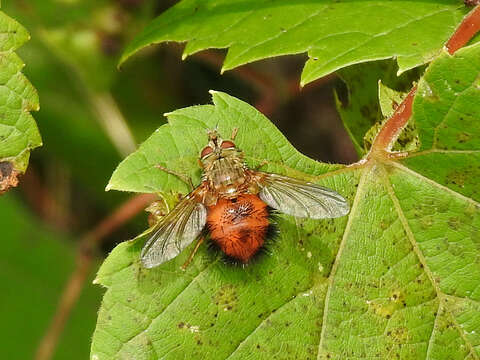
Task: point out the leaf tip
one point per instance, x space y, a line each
216 96
125 56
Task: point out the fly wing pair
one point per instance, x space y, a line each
183 224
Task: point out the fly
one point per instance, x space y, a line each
232 202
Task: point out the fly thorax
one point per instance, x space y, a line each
226 175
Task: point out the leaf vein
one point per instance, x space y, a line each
441 296
352 49
434 183
450 109
331 276
264 320
434 151
169 304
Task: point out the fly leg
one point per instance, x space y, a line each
182 177
190 258
234 133
262 164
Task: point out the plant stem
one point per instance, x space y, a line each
465 31
391 130
112 121
389 133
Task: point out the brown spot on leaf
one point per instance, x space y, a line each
8 176
463 137
457 178
226 297
454 223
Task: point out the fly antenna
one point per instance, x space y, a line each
212 132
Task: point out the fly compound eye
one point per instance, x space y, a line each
206 151
227 144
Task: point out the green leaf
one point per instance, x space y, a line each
18 130
361 112
445 112
389 99
398 277
335 34
177 147
31 289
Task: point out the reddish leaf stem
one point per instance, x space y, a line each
391 130
121 215
84 260
465 31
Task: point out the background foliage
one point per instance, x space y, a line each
413 293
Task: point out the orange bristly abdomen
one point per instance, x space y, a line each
239 226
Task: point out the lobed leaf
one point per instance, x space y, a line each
177 146
399 277
445 112
335 34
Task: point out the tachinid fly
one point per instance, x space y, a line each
233 202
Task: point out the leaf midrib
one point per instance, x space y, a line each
439 294
439 151
331 277
434 183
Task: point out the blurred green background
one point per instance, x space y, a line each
93 115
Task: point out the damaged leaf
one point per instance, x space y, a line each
18 130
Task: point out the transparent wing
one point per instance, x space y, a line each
174 232
302 199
